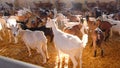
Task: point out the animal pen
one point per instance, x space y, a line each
69 20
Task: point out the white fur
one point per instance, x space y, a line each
35 40
23 11
12 25
67 43
0 30
84 26
2 27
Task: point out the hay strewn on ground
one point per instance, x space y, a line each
111 59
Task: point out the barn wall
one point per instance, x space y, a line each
25 3
66 1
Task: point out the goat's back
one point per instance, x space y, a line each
34 38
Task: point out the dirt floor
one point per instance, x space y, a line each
111 57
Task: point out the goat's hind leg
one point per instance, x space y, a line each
80 59
28 49
91 44
107 35
1 38
40 50
3 32
16 40
45 51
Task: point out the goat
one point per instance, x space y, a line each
3 25
0 30
115 28
67 43
97 39
105 27
34 40
12 24
76 28
47 31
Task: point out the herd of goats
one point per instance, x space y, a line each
64 29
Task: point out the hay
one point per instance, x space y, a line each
111 59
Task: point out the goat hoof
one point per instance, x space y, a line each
102 53
29 55
102 56
47 59
43 63
94 56
15 42
95 53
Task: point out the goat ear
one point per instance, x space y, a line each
9 28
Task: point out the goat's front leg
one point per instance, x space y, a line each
102 51
73 61
16 40
95 50
60 59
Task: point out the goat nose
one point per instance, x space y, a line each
14 34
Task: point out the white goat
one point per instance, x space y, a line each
67 43
34 40
84 26
0 30
12 24
2 27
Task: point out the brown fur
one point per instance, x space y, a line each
105 27
97 39
75 30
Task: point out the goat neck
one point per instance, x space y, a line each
55 28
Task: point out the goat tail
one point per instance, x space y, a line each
85 39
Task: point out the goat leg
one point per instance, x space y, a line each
102 53
95 53
91 44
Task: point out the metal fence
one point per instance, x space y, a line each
12 63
